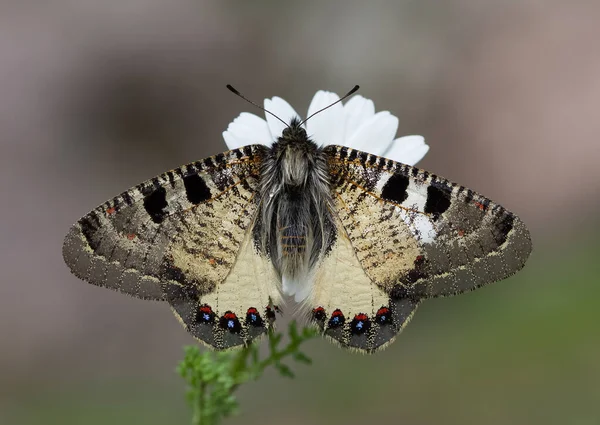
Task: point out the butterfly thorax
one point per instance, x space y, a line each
296 202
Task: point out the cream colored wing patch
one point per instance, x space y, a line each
239 309
349 307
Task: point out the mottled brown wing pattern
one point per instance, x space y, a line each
415 235
177 237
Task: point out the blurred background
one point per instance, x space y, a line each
96 97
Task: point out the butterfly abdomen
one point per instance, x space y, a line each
296 199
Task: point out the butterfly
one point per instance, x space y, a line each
357 239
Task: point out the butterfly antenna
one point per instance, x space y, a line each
350 93
237 93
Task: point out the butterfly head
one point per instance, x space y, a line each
294 132
294 154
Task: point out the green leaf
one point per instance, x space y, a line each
284 370
302 358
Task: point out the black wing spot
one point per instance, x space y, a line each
253 317
343 152
270 312
362 156
127 198
171 272
196 189
395 188
208 162
155 204
414 275
89 229
319 314
220 158
438 200
230 322
503 227
205 314
360 324
178 292
400 292
337 319
383 316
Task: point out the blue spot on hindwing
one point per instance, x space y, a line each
253 317
383 316
337 319
360 324
230 322
206 315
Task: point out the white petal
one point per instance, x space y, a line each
357 111
327 127
247 129
407 142
283 110
231 142
408 150
374 135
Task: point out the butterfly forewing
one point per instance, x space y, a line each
177 237
420 231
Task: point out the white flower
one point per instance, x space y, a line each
354 124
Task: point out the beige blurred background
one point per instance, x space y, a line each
96 96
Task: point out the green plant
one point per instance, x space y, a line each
213 377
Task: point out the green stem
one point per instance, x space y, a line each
198 417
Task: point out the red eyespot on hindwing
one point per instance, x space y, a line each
205 314
253 317
383 316
230 322
319 314
360 324
337 319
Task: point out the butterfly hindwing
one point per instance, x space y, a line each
177 237
349 307
240 308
